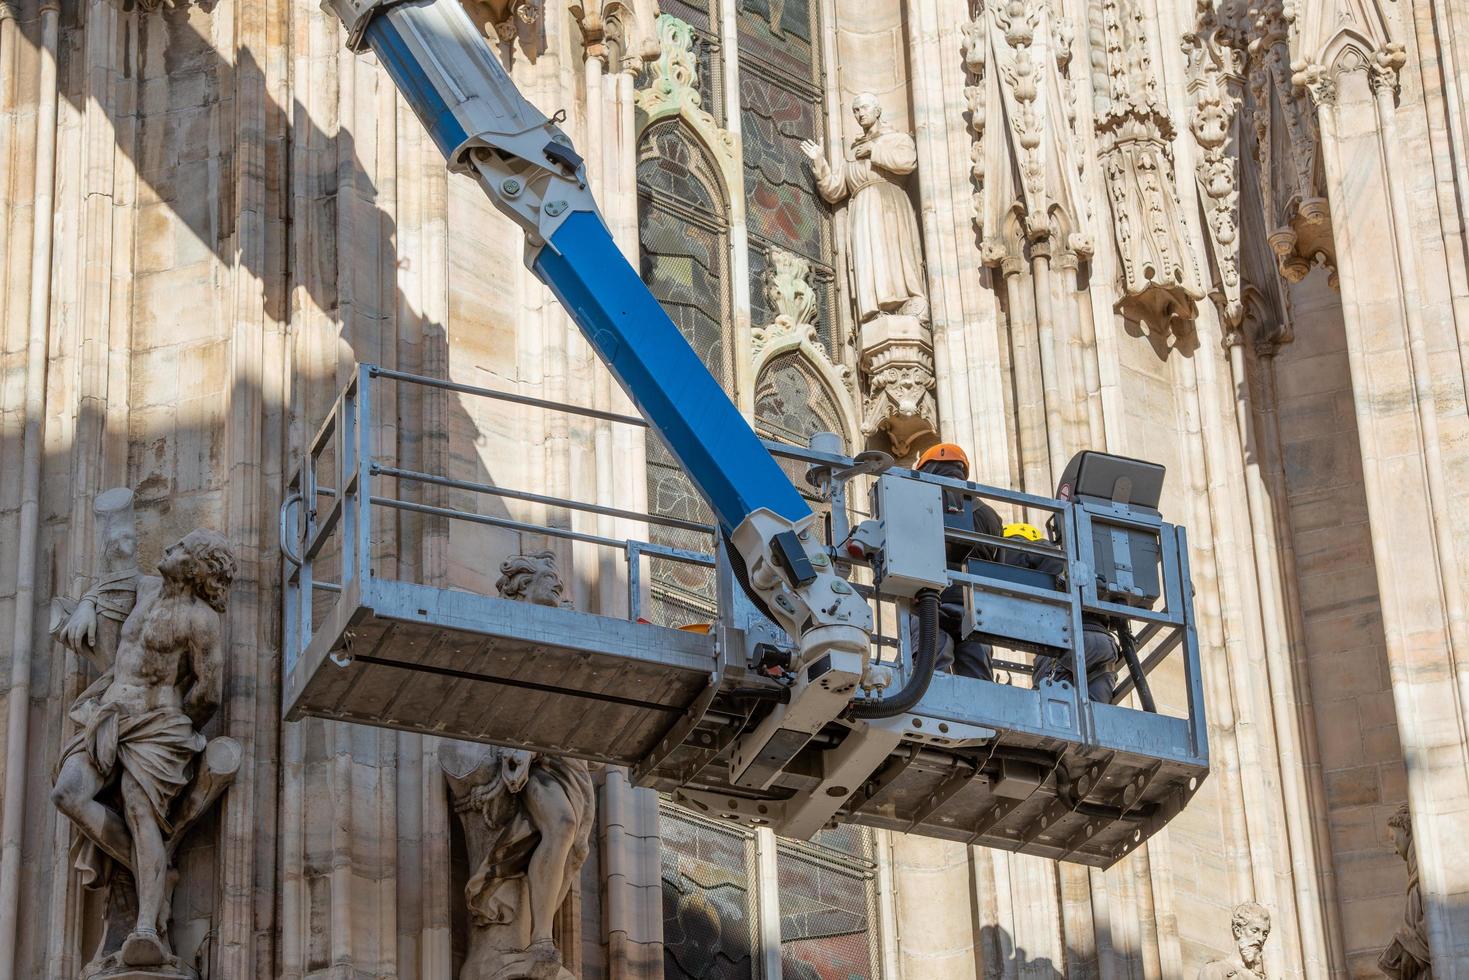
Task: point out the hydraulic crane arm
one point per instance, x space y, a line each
526 164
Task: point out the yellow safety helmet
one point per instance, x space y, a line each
1022 530
944 452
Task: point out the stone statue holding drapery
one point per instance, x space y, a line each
139 772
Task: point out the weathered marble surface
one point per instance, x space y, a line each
241 210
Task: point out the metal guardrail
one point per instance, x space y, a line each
315 513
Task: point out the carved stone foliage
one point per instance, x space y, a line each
672 89
527 822
139 773
1160 281
790 393
788 291
1250 923
1215 53
1287 146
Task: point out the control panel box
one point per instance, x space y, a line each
910 514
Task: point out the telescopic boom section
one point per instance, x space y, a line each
526 164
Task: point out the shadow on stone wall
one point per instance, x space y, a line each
1002 958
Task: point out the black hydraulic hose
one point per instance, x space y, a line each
742 576
1135 669
925 660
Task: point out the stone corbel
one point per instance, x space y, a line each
897 361
509 21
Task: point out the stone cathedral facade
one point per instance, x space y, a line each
1225 235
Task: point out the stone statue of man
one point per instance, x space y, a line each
1250 924
1407 956
139 723
527 822
886 258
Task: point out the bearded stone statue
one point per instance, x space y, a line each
527 823
1250 924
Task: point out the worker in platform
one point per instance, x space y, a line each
1099 641
967 656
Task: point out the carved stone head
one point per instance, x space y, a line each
1401 825
867 110
204 560
530 578
1251 926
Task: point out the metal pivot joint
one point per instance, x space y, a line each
467 102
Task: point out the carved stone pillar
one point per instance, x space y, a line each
1351 73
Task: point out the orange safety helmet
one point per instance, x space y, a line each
944 452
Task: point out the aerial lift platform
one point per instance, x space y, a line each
805 703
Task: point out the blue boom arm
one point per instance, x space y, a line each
584 267
528 168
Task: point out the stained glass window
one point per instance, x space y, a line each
710 914
828 907
781 106
684 252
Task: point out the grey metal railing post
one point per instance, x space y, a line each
363 431
346 441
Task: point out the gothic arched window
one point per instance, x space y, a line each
683 239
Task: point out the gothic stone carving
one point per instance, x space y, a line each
1287 146
885 266
673 90
139 773
622 35
1250 924
1215 81
1160 282
527 822
1407 956
788 291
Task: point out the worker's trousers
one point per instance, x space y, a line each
1101 664
969 657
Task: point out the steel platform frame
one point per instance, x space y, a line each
1040 769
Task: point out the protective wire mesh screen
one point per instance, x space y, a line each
792 401
776 115
710 914
781 34
828 907
684 249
